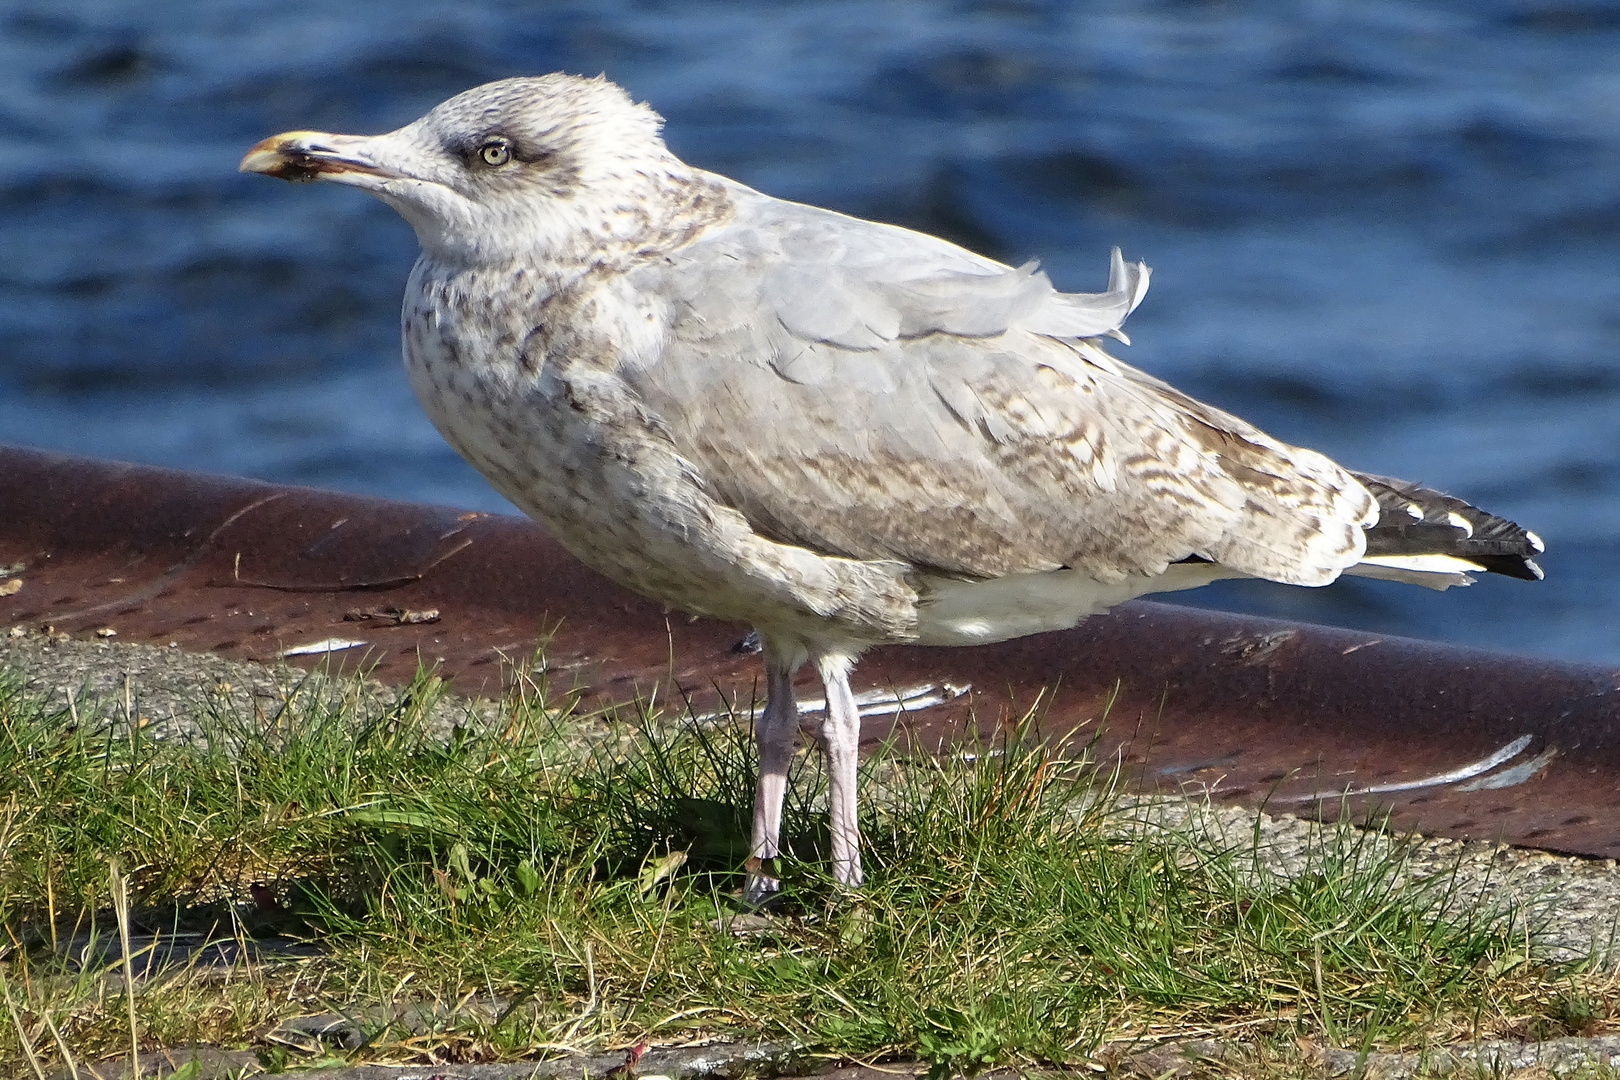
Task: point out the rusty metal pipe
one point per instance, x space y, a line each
1449 740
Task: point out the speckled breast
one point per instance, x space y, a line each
530 398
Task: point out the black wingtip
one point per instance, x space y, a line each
1415 520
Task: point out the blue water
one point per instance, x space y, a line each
1390 230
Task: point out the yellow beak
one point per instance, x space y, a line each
302 156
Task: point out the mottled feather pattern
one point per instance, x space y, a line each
556 430
976 451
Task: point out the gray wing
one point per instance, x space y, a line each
871 392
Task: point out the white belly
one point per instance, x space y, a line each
978 612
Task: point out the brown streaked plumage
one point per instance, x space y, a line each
845 433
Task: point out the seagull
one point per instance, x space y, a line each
844 433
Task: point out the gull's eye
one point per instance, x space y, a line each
495 152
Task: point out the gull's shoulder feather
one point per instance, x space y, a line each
856 284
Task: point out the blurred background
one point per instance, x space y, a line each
1389 230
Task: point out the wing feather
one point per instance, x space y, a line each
874 393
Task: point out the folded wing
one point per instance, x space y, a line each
871 392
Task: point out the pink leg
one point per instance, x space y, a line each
841 738
773 734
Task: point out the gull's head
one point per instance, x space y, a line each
517 168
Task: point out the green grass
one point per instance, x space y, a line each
534 882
